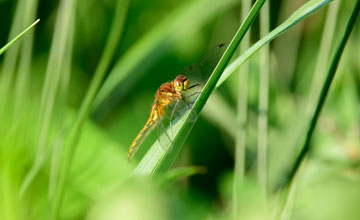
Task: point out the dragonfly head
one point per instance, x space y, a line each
181 83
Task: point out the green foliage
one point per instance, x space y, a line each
77 90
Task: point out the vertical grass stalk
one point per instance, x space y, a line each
54 71
21 83
323 56
240 136
318 75
75 131
63 95
263 100
324 91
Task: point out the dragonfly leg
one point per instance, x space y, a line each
195 93
186 97
194 86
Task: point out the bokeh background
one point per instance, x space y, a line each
46 74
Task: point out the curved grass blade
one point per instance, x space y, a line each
4 48
156 158
300 14
296 17
324 91
290 183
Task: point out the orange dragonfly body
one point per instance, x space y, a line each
169 93
172 94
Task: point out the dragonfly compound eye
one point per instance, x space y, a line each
181 83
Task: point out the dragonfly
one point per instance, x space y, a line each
170 96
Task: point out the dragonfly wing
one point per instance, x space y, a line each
185 107
164 129
165 136
200 71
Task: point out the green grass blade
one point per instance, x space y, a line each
62 107
186 18
241 119
324 91
300 14
4 48
323 56
318 77
54 71
25 58
263 100
69 145
11 58
157 159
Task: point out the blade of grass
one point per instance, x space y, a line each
292 39
323 56
21 83
62 107
186 18
263 100
10 59
69 145
241 119
324 91
4 48
290 183
157 159
318 75
300 14
54 70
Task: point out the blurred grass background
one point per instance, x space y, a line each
46 74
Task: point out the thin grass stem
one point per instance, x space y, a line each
69 145
4 48
54 70
241 118
300 14
323 56
263 100
324 92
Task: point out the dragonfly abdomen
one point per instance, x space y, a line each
150 124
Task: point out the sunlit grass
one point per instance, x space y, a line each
57 161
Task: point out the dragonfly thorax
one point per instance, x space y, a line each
181 83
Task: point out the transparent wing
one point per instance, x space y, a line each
173 113
165 137
199 72
183 107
